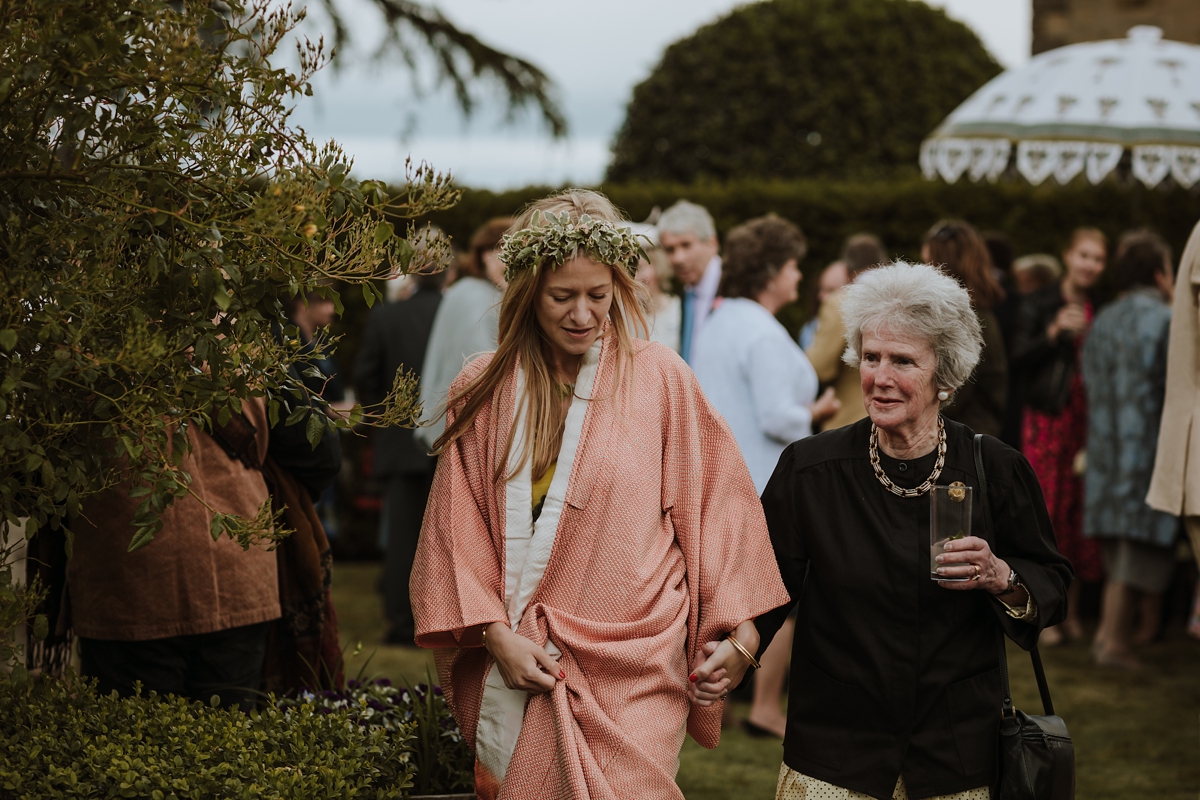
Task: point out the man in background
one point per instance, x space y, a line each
861 252
832 278
396 337
689 238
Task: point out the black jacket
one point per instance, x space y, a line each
1044 369
395 338
892 673
980 403
315 468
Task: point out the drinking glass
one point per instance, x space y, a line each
949 519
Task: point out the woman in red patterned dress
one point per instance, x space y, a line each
1050 330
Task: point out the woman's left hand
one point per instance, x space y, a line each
972 558
720 667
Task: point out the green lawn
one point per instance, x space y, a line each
1135 736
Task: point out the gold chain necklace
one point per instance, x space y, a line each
933 476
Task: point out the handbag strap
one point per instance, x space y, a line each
1038 672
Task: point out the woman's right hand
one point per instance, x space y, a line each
1070 319
523 664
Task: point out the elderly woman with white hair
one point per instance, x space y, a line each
896 682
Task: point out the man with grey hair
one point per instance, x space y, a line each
689 239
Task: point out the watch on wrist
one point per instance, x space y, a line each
1013 580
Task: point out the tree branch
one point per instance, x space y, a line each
523 82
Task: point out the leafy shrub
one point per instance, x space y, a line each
800 88
62 739
156 210
443 761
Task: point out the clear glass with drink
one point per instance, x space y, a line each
949 520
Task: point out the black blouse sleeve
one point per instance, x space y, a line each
1025 540
779 506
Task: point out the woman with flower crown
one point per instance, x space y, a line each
594 552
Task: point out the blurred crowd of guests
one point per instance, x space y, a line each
1088 369
1076 384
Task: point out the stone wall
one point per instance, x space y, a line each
1060 22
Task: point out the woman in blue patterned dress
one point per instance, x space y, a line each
1124 370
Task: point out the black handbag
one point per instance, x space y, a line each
1037 759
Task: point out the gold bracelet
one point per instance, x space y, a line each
742 649
483 636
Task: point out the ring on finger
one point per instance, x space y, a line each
978 572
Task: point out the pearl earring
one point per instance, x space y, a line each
943 396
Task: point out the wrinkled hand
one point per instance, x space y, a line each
523 664
970 557
825 406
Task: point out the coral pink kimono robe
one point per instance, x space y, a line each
650 542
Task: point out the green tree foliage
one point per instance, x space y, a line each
155 211
800 88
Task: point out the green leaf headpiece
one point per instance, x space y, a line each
552 239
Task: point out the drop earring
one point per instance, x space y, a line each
943 396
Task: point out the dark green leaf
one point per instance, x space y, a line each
313 429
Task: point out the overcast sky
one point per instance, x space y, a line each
595 52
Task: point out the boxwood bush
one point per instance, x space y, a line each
61 739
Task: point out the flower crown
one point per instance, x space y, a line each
554 238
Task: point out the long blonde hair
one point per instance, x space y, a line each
520 336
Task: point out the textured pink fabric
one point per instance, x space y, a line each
661 547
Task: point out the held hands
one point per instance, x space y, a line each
720 667
972 558
523 664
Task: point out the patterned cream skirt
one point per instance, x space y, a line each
795 786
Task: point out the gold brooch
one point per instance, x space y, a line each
958 491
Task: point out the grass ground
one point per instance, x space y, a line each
1136 736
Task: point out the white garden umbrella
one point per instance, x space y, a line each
1078 109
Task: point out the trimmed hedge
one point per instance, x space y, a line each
1038 218
63 740
800 89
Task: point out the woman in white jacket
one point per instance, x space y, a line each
465 325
